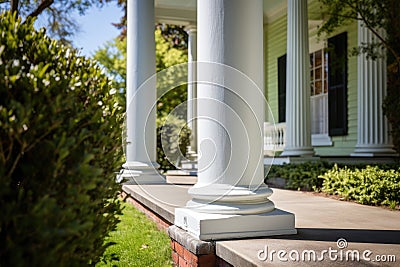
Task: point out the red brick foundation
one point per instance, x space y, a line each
187 251
183 257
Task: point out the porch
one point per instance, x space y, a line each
226 86
275 142
320 221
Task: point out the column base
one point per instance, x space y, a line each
140 173
298 152
191 154
189 165
280 160
374 151
206 226
188 177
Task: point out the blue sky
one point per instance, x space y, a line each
96 28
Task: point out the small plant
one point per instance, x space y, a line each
369 185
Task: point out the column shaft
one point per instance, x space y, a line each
140 93
192 88
230 199
373 137
230 105
298 117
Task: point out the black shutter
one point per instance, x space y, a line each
282 88
337 84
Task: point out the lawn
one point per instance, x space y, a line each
138 242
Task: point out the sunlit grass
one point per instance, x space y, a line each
138 242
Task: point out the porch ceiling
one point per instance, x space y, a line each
183 12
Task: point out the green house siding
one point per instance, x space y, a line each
344 145
275 46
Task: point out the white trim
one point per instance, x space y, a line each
275 14
317 43
321 140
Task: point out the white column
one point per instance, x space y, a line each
373 137
298 117
192 90
140 166
230 199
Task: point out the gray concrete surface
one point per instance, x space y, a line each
320 221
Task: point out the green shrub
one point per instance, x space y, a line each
59 145
173 136
302 176
370 185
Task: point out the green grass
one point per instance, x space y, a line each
138 242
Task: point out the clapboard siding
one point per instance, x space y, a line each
275 46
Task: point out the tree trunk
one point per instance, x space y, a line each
42 6
14 6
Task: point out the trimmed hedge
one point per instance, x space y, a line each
302 176
60 141
377 185
370 185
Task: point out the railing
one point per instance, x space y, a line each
274 137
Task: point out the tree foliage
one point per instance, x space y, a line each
60 143
56 13
174 34
375 15
113 57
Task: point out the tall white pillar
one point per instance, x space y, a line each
230 199
373 137
140 166
192 90
298 116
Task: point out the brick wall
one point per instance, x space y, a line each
182 257
187 251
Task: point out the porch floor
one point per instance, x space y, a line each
320 222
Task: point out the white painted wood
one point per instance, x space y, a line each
373 137
230 135
230 199
298 118
216 226
140 94
274 137
192 88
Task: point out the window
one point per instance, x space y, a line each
319 92
337 84
328 103
282 88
